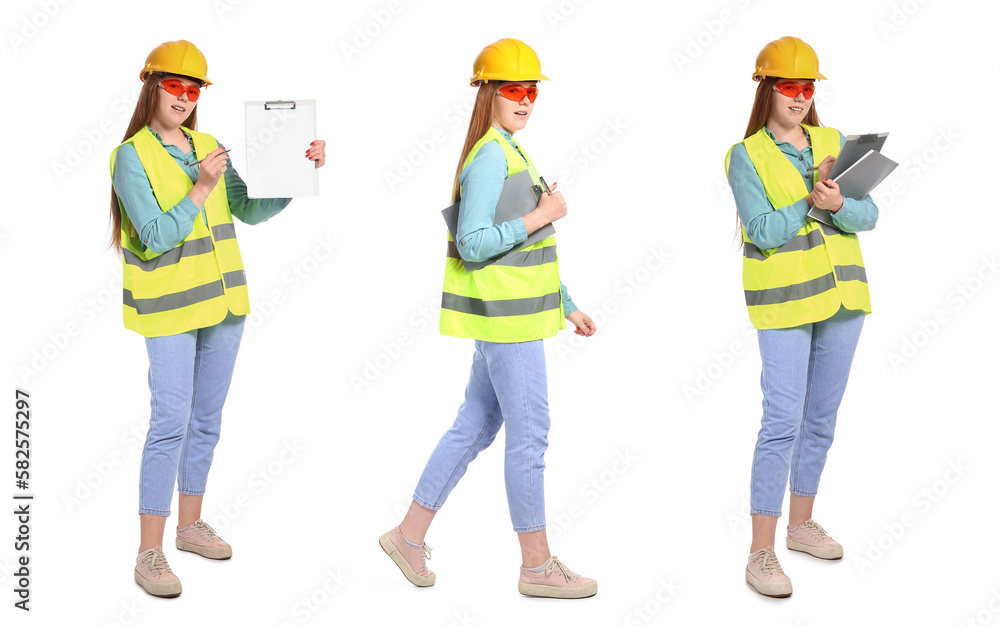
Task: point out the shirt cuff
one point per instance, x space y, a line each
519 230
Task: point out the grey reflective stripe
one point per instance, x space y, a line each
851 272
193 247
751 251
224 231
524 258
235 279
500 308
799 291
831 230
518 258
797 243
171 301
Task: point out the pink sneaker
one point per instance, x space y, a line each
555 581
153 574
809 537
412 561
764 573
201 539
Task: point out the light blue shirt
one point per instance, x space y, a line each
770 227
477 238
161 231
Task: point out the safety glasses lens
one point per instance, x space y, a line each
794 89
176 88
517 93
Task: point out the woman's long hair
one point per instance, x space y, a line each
482 119
141 117
758 117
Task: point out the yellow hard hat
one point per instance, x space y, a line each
176 57
788 57
507 59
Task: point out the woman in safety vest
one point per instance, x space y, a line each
807 295
507 307
173 199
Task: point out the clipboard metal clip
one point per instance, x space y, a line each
279 104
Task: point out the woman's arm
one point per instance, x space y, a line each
766 226
855 215
568 306
476 237
249 211
160 231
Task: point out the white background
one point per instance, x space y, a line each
644 101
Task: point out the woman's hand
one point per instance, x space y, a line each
317 152
584 325
826 195
212 167
825 166
550 208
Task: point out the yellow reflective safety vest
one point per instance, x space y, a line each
819 269
515 299
197 283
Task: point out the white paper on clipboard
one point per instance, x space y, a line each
278 135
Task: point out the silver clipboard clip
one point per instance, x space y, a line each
279 104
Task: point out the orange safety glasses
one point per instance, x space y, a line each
517 93
175 88
793 89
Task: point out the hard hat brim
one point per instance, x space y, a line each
499 78
760 74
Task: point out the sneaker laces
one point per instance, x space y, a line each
204 531
768 561
554 564
424 551
814 530
156 562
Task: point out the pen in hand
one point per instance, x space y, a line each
200 160
544 184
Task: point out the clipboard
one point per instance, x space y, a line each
278 133
858 180
519 197
855 147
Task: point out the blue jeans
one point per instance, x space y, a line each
189 376
803 378
507 384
